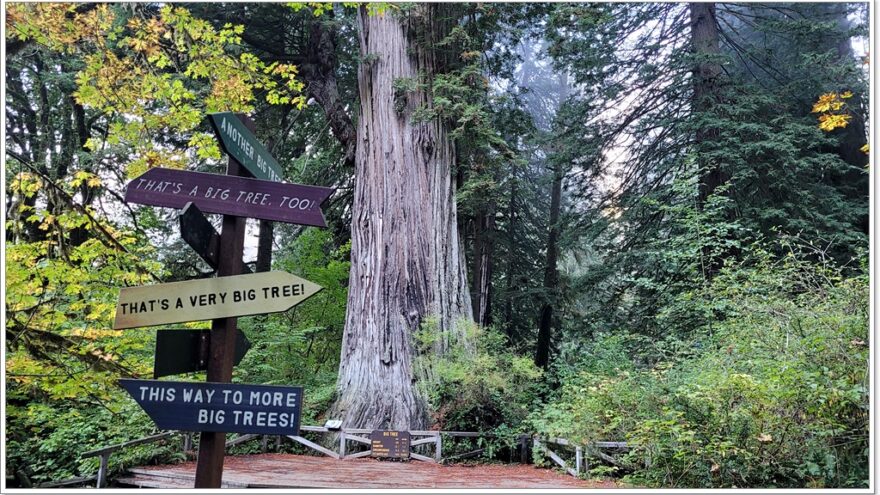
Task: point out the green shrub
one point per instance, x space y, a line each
776 394
478 387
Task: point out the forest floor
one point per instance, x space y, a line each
298 471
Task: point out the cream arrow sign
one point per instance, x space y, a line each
210 298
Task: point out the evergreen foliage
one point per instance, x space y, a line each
709 301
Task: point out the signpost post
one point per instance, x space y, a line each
221 352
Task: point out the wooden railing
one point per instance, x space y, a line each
582 453
356 435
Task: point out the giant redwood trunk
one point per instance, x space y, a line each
407 266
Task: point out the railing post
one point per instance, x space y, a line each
578 459
341 444
102 470
438 450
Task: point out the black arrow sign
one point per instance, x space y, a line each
198 232
186 350
220 407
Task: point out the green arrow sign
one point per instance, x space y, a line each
210 298
241 143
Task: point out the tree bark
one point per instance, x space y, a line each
481 289
551 275
706 74
407 266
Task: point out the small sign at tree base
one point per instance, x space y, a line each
389 444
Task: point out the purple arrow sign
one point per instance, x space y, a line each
230 195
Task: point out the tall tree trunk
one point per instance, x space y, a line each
511 264
407 266
551 276
706 73
319 71
484 231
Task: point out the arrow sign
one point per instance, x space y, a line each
186 350
210 298
238 141
222 407
198 232
230 195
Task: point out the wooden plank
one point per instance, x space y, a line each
611 445
314 446
240 439
466 455
422 441
355 438
68 482
316 429
360 431
131 443
359 454
308 471
420 457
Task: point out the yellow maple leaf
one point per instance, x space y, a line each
829 122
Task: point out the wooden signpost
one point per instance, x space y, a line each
390 444
219 407
186 350
210 298
226 195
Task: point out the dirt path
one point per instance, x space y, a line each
297 471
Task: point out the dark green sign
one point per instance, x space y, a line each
186 350
241 144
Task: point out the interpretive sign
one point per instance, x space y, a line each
238 141
390 444
186 350
198 232
229 195
221 407
210 298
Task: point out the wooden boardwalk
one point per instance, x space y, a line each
298 471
